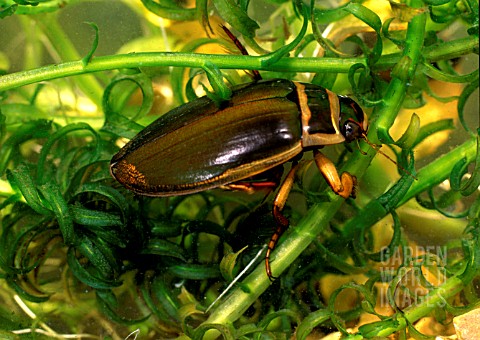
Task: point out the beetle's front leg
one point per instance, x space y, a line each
343 185
281 221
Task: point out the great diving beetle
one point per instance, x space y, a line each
200 146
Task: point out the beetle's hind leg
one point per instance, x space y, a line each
344 184
281 221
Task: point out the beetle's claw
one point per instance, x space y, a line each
268 270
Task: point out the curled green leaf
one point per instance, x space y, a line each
460 169
109 309
312 321
401 69
30 130
94 218
42 174
407 140
88 57
221 91
390 36
432 128
7 11
462 100
395 194
161 247
195 271
225 330
382 328
404 12
170 10
227 265
236 16
55 199
117 123
21 178
283 313
273 57
85 276
371 19
26 294
326 16
435 73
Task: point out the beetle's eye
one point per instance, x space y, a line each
351 131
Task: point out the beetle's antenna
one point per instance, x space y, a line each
361 151
377 149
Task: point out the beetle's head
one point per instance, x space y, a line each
353 121
353 126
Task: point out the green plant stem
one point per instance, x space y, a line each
135 60
402 75
67 51
440 169
414 312
435 298
427 177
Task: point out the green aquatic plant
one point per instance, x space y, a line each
80 253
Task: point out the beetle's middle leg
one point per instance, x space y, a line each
268 180
250 187
344 184
281 221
